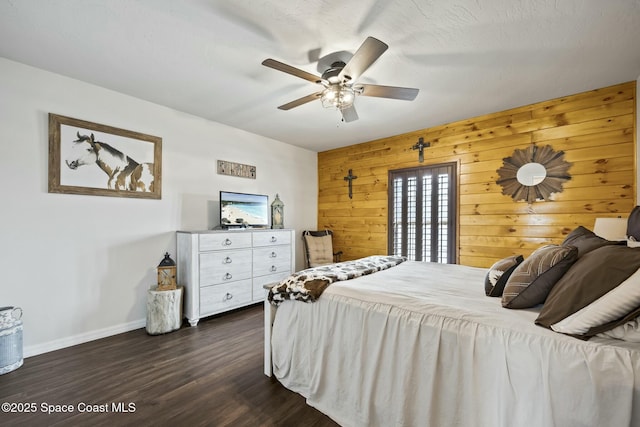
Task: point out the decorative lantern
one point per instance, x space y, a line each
167 273
277 213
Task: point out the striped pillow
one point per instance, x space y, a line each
532 280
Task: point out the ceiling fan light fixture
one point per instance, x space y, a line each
339 79
339 97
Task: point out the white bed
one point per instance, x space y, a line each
420 344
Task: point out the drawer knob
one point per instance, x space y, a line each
228 260
228 296
274 239
228 276
227 242
274 268
273 255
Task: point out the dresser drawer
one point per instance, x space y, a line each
218 298
280 266
271 254
220 241
224 267
272 237
271 260
259 292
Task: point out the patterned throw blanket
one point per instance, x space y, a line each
307 285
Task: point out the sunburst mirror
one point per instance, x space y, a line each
533 173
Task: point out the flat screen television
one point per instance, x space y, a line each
243 210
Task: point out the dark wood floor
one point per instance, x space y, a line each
209 375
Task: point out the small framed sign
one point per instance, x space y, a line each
236 169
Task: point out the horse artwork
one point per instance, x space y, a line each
124 173
100 160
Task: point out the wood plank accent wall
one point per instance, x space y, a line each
595 129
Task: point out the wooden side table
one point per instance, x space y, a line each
164 310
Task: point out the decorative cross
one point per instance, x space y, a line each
350 178
421 145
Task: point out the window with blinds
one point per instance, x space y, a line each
422 213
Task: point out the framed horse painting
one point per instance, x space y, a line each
99 160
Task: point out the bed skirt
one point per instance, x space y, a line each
404 350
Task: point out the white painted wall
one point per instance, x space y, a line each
79 266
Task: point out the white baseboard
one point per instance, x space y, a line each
34 350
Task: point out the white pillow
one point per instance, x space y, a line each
613 305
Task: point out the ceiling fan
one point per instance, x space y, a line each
339 81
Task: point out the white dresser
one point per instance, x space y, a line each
223 270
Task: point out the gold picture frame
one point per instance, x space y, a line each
99 160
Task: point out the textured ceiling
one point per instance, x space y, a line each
467 57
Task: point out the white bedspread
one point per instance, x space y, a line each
421 345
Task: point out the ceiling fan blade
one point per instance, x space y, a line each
300 101
404 93
314 54
370 50
349 114
281 66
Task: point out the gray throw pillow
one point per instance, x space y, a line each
592 276
586 240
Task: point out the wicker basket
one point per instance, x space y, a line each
10 339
